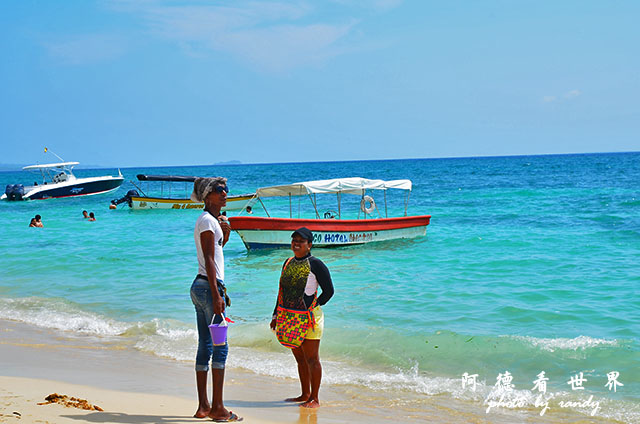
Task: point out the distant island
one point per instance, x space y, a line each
230 162
7 167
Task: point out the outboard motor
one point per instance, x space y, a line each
125 198
14 191
18 191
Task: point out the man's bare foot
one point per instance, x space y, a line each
300 398
202 412
311 403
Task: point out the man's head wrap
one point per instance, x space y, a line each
203 186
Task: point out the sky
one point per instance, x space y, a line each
166 83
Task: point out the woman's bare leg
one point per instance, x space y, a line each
218 411
203 400
303 373
311 349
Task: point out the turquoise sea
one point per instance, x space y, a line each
530 264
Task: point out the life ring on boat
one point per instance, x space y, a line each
331 214
363 204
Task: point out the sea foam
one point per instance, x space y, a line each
577 343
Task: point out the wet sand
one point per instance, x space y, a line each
135 387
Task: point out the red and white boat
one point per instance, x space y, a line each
331 227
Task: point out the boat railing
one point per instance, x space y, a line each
365 205
171 187
156 186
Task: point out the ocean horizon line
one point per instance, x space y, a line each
18 167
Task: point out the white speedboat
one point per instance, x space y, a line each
58 181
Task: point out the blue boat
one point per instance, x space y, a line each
58 181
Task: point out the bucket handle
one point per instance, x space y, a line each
224 320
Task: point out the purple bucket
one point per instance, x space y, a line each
219 332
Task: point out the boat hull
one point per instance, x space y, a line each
269 233
233 203
75 187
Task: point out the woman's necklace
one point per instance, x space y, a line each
211 213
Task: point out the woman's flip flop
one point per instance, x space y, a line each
233 418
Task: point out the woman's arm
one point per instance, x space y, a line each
275 309
207 241
226 228
323 276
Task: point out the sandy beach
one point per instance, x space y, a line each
134 387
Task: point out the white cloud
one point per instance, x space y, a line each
383 5
566 96
270 35
571 94
376 5
87 49
285 46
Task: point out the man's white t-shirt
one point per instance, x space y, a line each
206 222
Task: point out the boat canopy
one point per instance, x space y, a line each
353 185
174 178
51 165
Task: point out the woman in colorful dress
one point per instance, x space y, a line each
299 282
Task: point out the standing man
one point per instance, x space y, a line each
208 294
